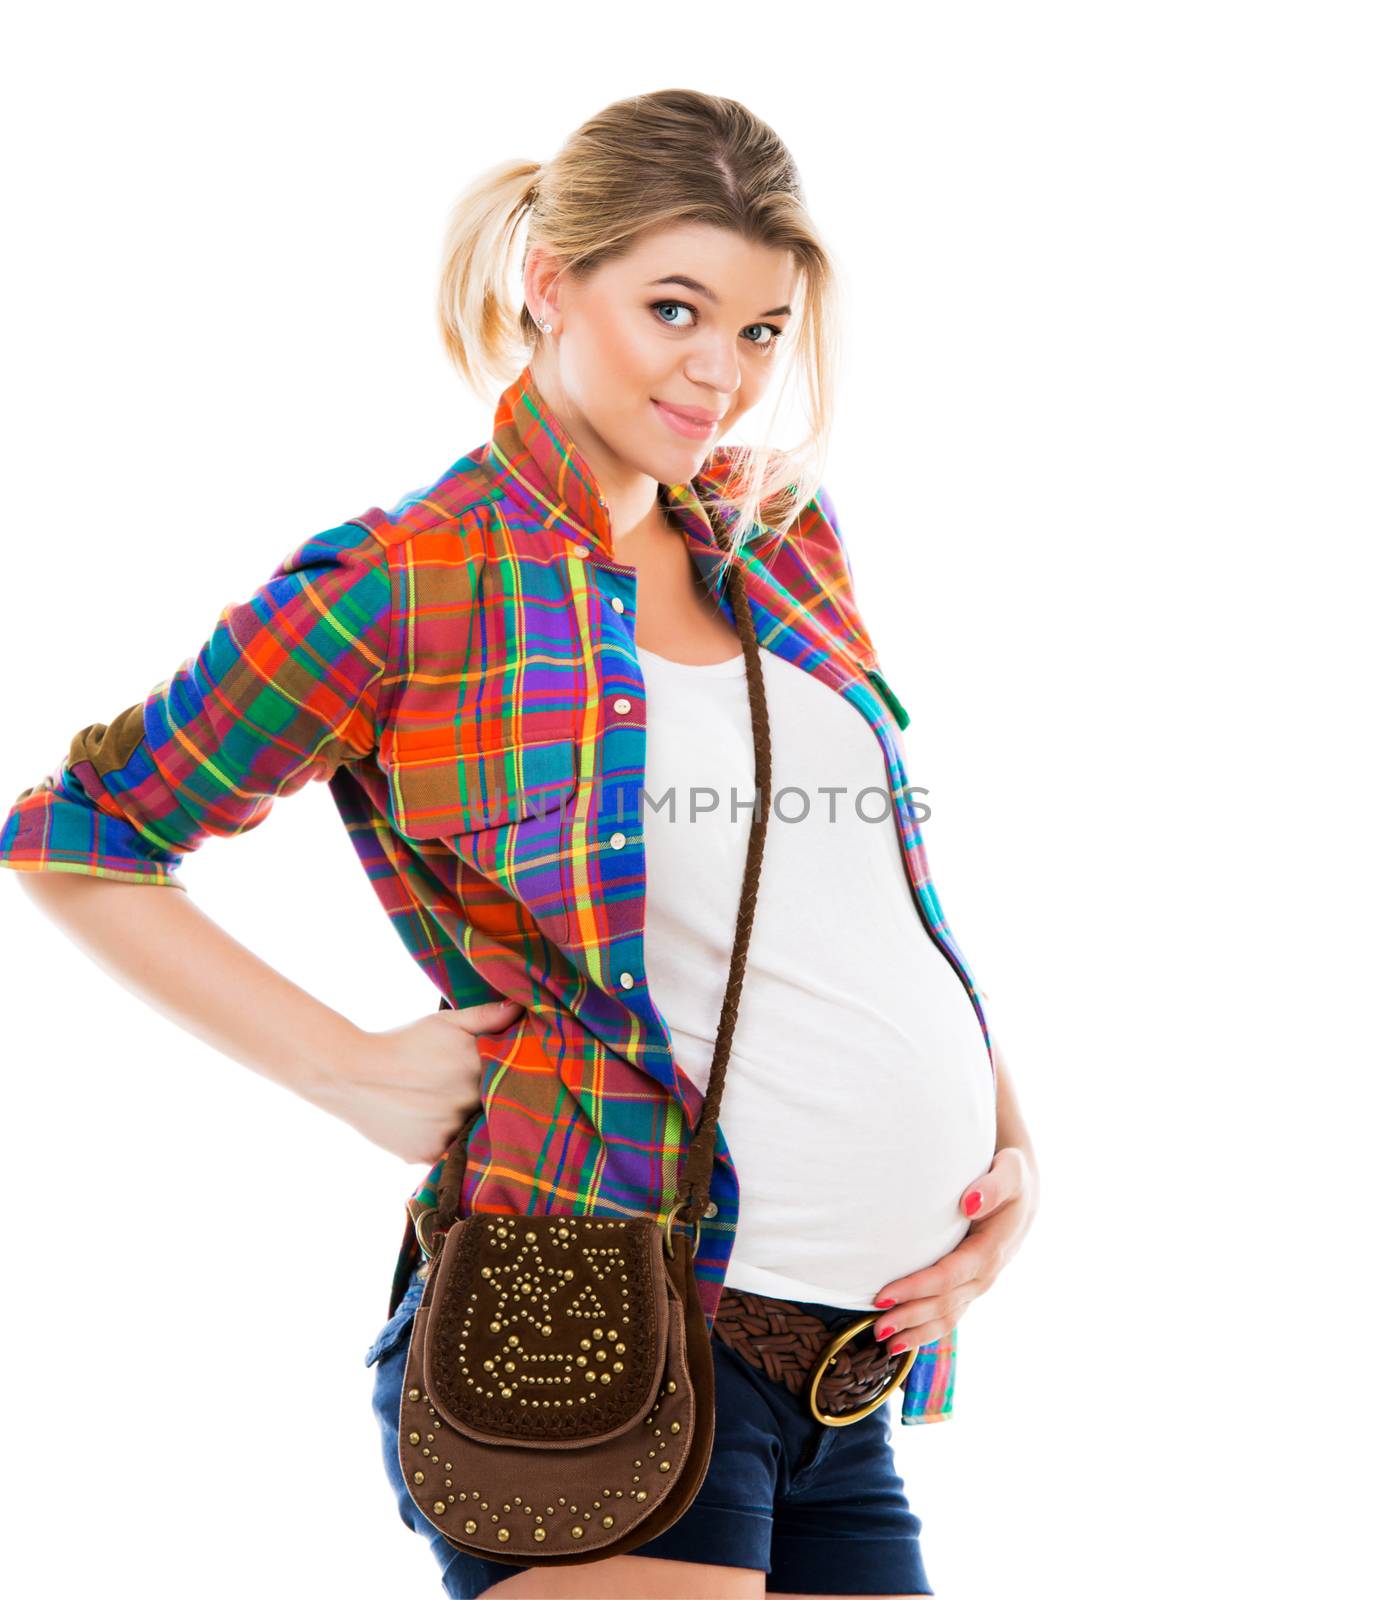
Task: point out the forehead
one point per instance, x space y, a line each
731 266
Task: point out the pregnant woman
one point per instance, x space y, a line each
528 685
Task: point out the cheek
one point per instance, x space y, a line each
626 366
756 375
622 332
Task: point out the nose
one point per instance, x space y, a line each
716 378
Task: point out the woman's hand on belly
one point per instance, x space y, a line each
929 1304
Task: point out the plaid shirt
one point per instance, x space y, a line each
461 670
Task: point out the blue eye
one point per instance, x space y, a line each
657 306
775 335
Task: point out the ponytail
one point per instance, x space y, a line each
484 339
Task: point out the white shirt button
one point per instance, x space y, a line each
617 603
617 841
621 706
626 979
579 549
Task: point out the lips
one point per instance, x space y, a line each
691 413
688 422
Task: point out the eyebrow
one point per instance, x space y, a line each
700 288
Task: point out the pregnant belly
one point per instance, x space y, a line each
852 1157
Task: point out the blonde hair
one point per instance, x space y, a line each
655 160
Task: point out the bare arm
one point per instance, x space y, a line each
158 943
281 692
1010 1125
406 1088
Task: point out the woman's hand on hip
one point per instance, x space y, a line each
410 1088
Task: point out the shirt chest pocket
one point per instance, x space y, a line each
506 810
454 786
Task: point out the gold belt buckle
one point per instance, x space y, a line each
829 1357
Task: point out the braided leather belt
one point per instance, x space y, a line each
842 1382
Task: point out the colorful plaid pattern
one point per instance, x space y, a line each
461 670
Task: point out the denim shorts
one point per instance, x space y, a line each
821 1510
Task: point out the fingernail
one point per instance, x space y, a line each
895 1349
973 1202
884 1333
885 1300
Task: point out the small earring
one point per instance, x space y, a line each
546 327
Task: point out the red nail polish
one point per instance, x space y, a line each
885 1300
972 1203
896 1349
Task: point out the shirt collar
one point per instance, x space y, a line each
531 448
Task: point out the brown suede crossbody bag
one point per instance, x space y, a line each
558 1404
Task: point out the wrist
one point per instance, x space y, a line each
334 1061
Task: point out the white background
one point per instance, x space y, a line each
1112 458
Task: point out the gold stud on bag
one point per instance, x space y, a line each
558 1403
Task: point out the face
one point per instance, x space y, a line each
689 319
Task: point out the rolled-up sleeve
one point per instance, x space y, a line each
285 689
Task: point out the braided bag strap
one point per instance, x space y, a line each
694 1186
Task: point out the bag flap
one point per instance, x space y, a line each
546 1330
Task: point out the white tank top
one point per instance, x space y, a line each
859 1101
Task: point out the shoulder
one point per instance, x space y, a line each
451 506
378 565
809 561
815 528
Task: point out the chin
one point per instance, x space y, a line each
678 461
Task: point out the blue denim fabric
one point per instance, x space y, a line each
821 1510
